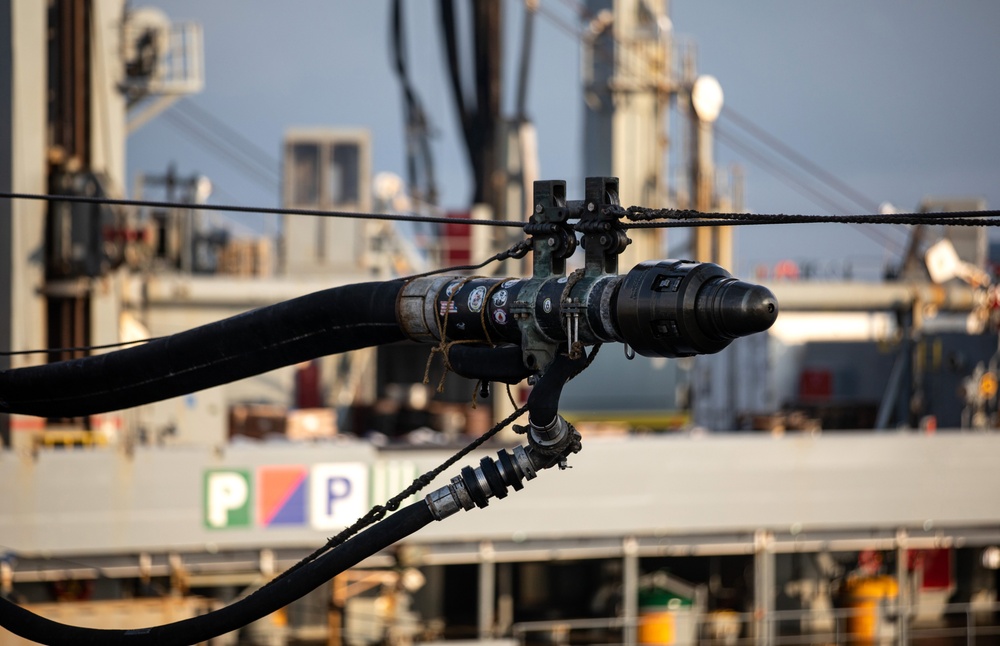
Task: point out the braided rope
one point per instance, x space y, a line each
378 512
643 217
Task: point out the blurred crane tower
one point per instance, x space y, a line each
630 81
628 86
77 76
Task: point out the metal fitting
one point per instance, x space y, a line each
416 308
550 435
474 487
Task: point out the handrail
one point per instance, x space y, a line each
558 630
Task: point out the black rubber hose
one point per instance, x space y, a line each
327 322
261 603
543 402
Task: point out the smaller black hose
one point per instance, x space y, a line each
543 402
261 603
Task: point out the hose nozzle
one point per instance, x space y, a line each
680 308
731 308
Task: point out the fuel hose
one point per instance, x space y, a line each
278 594
669 308
326 322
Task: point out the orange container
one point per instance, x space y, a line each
865 596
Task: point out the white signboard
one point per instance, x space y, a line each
338 494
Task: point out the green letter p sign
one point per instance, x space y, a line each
227 498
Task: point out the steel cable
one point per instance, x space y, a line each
233 208
641 216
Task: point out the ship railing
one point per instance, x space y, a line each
881 623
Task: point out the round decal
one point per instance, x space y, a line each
547 305
500 298
500 316
563 280
452 288
476 298
507 284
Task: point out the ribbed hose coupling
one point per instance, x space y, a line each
474 487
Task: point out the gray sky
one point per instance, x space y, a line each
896 99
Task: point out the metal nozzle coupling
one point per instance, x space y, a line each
474 487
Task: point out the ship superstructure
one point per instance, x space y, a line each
669 528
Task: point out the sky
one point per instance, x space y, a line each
896 99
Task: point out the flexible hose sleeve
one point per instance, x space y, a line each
327 322
261 603
543 402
